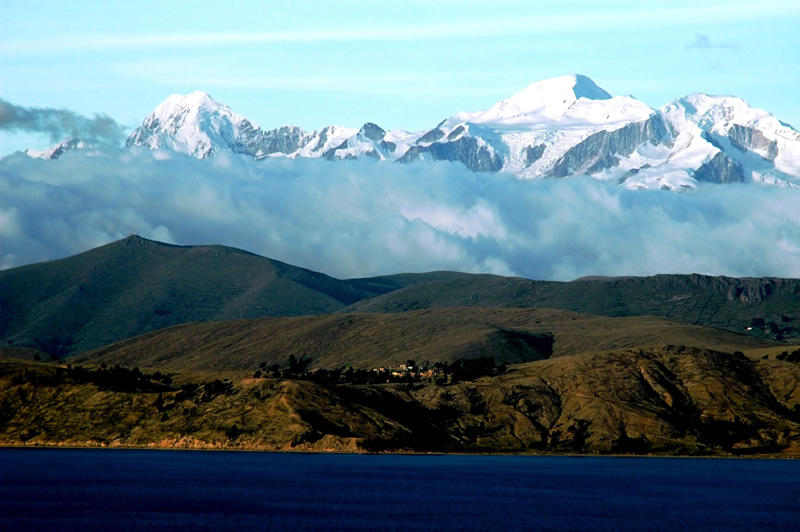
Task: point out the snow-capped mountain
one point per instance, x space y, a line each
569 101
54 152
719 139
553 128
198 125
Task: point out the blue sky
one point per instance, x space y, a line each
406 64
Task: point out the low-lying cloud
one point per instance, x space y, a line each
360 218
60 124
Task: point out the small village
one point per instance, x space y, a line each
442 373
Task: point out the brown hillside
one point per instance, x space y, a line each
669 400
379 340
763 307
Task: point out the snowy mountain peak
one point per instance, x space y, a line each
181 109
571 88
196 98
194 124
565 101
705 109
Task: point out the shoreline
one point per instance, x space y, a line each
772 456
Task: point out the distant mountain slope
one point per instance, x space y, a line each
770 307
388 283
367 341
136 285
363 341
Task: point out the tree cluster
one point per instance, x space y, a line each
121 379
204 392
794 356
770 327
469 369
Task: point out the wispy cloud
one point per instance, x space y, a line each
361 218
704 42
60 123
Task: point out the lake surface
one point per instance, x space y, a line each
121 490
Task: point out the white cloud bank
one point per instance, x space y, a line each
360 218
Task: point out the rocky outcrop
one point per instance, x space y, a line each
720 169
476 156
372 132
534 153
602 149
749 139
287 139
388 146
431 136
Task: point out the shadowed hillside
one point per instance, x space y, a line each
769 307
377 340
135 285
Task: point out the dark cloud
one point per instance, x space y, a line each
60 124
360 218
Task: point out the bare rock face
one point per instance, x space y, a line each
534 153
603 149
720 169
372 132
750 139
475 155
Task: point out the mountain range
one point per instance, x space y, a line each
557 128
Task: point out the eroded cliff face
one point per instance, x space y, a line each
669 400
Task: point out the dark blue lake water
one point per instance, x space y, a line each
120 490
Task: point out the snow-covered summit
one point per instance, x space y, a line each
566 101
194 124
707 111
195 108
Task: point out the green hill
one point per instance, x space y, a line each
136 285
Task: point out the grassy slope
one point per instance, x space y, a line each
377 340
136 285
721 302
